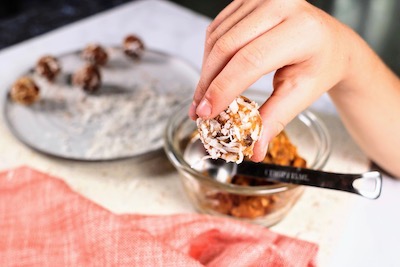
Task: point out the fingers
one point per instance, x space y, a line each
220 18
240 28
270 51
224 21
226 12
290 97
252 38
215 32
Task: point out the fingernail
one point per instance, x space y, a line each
260 153
264 143
265 149
260 148
204 109
192 111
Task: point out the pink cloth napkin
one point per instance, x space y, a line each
44 223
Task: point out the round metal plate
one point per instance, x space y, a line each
125 118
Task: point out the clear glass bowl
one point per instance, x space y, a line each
306 132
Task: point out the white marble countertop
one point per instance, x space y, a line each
350 230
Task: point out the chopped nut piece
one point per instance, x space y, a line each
133 46
88 78
95 54
250 207
25 91
299 162
223 203
48 67
282 152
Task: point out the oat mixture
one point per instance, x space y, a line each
280 151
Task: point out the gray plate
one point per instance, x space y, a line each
125 118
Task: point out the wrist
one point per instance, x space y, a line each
361 65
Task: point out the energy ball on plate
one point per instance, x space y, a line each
24 91
48 67
88 78
133 46
232 134
95 54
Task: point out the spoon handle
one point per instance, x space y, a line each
301 176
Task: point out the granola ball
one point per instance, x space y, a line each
232 134
133 46
48 67
24 91
88 78
95 54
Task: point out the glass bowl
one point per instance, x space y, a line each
266 204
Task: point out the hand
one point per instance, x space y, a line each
248 39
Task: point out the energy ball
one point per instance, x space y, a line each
133 46
232 134
95 54
24 91
48 67
88 78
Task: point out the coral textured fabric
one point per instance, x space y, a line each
44 223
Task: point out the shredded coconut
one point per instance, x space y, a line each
232 134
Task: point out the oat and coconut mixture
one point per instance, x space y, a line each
232 134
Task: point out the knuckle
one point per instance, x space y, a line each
313 23
210 29
222 39
251 57
202 86
224 45
217 88
200 90
284 85
212 38
220 47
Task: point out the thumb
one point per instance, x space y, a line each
286 102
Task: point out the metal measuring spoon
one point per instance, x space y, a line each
368 184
